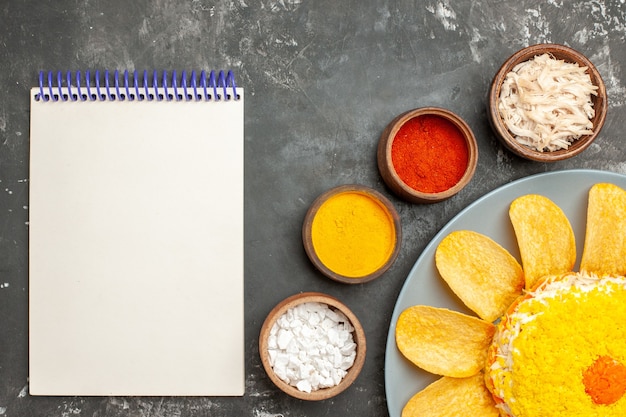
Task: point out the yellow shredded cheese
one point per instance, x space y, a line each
551 337
546 103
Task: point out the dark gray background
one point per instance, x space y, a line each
322 79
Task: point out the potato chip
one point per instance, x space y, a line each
544 236
442 341
452 397
604 250
481 273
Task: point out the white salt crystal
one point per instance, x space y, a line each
348 361
342 336
307 332
272 356
294 362
333 336
348 348
328 323
337 358
315 379
281 359
337 377
314 319
284 338
272 341
334 316
304 386
293 347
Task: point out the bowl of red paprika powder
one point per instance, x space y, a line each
427 155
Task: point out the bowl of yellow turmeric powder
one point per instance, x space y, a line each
352 234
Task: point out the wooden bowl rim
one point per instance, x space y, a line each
358 335
308 240
388 171
561 52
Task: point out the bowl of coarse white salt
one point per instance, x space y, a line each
312 346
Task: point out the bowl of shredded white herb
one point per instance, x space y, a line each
547 102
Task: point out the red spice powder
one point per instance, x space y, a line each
429 153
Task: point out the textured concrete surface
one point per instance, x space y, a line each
322 79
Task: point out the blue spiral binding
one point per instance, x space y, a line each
116 86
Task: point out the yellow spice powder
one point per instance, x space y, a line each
552 352
353 234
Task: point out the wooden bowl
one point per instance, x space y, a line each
358 336
389 173
381 204
567 54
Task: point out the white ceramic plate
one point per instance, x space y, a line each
487 215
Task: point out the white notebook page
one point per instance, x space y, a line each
136 248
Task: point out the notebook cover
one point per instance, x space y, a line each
136 247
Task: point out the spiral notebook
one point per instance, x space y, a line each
136 234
